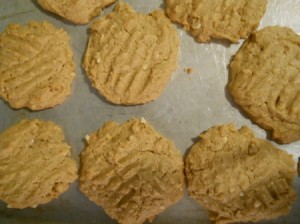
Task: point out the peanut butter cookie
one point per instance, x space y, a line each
219 19
76 11
265 81
35 164
36 65
130 57
238 177
132 171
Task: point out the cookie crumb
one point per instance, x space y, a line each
188 70
257 204
143 120
196 24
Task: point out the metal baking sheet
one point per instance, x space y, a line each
190 104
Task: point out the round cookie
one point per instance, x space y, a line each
35 164
265 81
132 171
130 57
219 19
76 11
36 69
238 177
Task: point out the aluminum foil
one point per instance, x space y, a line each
190 104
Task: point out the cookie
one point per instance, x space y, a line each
35 164
238 177
218 19
132 171
79 12
36 66
265 81
130 57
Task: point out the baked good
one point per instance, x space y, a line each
265 81
132 171
76 11
238 177
36 65
218 19
130 57
35 164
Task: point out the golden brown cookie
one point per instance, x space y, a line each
238 177
36 66
219 19
35 164
76 11
265 81
130 57
132 171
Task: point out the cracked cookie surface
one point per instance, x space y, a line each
36 65
76 11
132 171
130 56
218 19
238 177
265 81
35 164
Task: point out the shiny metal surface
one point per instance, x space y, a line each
190 104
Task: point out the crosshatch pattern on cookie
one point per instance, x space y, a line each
217 19
130 56
238 177
35 164
132 171
36 65
265 81
78 11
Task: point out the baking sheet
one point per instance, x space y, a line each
190 104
